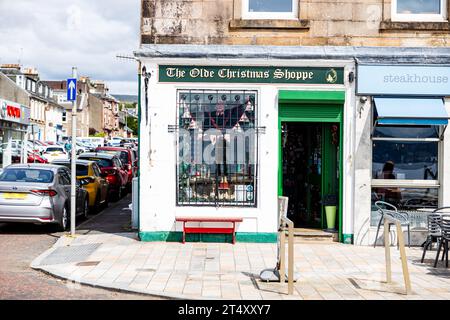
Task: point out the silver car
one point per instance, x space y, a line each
39 193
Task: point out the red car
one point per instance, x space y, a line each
112 171
128 159
34 157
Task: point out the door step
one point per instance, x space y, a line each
302 235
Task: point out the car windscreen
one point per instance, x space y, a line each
27 175
101 162
54 149
123 155
82 169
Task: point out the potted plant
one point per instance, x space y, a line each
330 204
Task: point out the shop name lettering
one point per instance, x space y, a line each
414 78
13 112
225 73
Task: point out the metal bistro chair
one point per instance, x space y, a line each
385 208
445 237
434 232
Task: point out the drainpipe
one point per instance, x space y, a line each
139 145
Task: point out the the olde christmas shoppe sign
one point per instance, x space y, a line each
241 74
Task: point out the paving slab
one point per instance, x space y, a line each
225 271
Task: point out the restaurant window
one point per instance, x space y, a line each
217 148
419 10
270 9
405 170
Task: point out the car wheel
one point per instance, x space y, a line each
64 223
106 203
86 208
119 193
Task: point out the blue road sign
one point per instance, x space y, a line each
71 89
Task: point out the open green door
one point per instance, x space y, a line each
310 139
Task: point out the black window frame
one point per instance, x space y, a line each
232 93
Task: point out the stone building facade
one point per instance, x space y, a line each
319 23
345 63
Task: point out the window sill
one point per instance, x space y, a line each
269 24
389 25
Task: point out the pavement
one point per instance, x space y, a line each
197 271
21 243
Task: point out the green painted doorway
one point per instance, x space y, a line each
310 154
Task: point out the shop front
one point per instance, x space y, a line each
225 137
14 122
407 110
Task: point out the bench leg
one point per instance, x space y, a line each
234 232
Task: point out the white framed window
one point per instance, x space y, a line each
419 10
270 9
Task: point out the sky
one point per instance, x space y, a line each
56 35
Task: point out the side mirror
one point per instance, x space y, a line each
82 182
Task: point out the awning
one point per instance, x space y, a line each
409 111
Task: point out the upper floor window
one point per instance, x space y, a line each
270 9
419 10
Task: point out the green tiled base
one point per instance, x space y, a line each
348 238
171 236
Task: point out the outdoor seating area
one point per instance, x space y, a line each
438 228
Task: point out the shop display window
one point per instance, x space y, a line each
217 147
411 200
405 170
405 160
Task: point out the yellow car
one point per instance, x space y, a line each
96 187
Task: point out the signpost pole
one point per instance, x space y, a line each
73 198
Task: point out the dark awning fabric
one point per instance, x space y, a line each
409 111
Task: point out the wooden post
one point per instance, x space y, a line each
401 244
282 255
387 252
291 258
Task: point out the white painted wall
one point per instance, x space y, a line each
158 151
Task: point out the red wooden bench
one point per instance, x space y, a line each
229 230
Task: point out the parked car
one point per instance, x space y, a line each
97 186
127 158
114 142
34 157
81 148
39 193
55 152
95 141
37 144
112 168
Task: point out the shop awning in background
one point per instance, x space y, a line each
408 111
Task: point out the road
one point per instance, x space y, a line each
22 243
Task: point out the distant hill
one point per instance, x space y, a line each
126 98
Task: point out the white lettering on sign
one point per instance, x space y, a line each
175 73
414 78
288 75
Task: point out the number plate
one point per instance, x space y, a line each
20 196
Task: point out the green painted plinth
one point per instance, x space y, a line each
347 238
177 236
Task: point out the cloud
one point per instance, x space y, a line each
55 35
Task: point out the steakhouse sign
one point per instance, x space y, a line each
237 74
